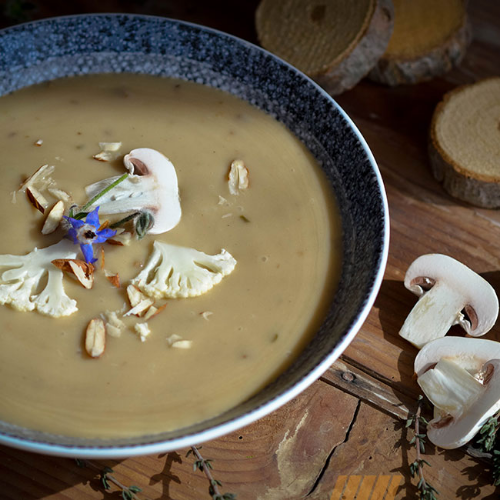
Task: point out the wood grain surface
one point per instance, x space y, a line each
347 428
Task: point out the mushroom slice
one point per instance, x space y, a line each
151 187
462 423
453 287
470 354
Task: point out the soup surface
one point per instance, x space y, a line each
282 231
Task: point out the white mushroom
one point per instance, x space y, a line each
151 187
446 288
469 354
465 402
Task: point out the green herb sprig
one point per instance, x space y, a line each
487 434
426 490
83 213
205 466
489 445
106 477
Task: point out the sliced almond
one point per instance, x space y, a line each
150 313
238 179
84 271
114 325
113 331
59 194
104 225
154 311
114 279
140 308
143 330
108 151
95 338
183 344
103 259
54 218
178 342
85 275
103 156
41 177
39 142
135 295
122 239
111 147
37 199
173 338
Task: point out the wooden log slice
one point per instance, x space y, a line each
335 42
429 38
464 145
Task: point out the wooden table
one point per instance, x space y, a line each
351 421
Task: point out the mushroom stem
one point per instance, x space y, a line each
433 315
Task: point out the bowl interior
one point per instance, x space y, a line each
54 48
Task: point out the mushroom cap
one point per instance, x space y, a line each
470 354
478 297
449 433
147 162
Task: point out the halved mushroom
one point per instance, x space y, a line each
464 402
151 187
469 354
446 287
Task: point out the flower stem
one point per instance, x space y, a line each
125 220
82 213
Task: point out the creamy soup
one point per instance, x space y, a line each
282 231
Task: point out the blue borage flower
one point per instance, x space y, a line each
87 233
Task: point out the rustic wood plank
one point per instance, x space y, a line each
278 458
423 219
378 446
358 383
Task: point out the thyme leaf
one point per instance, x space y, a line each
488 434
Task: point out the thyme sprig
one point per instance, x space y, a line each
426 490
106 477
488 434
205 466
83 211
489 446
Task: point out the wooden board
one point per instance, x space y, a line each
344 431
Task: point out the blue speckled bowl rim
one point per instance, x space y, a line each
62 446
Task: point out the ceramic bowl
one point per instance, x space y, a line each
54 48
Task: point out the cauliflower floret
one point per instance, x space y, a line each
174 271
19 283
53 301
